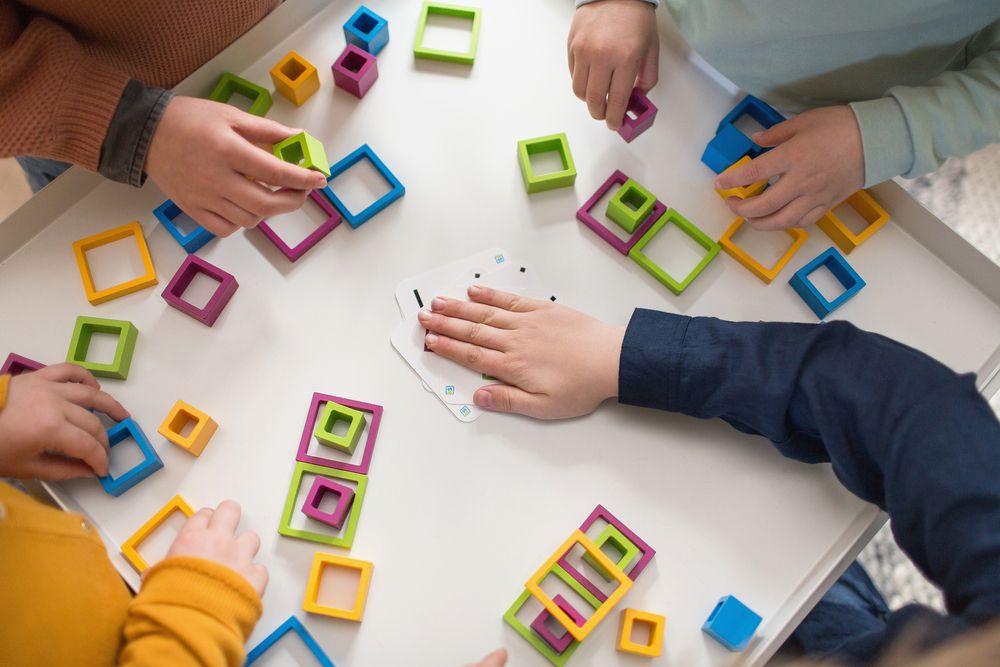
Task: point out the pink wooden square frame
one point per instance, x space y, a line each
317 401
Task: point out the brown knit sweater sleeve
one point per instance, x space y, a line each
57 99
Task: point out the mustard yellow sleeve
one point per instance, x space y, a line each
4 381
190 611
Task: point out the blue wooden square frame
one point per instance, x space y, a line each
373 40
192 241
396 191
151 461
293 624
840 269
759 110
725 148
731 623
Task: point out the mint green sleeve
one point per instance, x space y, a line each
913 130
655 3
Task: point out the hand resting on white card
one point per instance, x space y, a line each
554 362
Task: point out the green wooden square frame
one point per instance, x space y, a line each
557 179
83 331
615 536
230 84
313 153
626 217
677 287
465 58
346 538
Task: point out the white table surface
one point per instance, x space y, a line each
458 516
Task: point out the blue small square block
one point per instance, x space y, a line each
367 30
731 623
150 460
396 190
725 148
840 269
193 240
295 625
760 111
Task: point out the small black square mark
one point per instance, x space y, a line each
552 298
477 275
523 269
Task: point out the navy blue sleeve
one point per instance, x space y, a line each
900 429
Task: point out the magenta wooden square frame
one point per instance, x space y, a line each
192 266
320 487
356 82
583 215
293 254
317 402
558 644
16 364
645 114
646 552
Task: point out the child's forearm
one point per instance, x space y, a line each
914 129
902 430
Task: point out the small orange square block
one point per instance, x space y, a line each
201 432
295 78
629 618
742 191
320 562
766 274
81 247
867 208
130 547
580 632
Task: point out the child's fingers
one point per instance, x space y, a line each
758 169
262 165
622 82
259 578
57 468
505 300
199 520
776 134
78 444
259 130
236 214
264 202
767 202
93 399
598 83
473 312
213 222
504 398
580 74
248 544
462 330
792 214
481 359
87 422
649 68
496 659
226 517
68 373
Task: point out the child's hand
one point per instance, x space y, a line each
211 534
496 659
614 46
555 361
819 160
202 153
46 428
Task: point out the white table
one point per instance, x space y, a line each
458 516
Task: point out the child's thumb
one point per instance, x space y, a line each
259 130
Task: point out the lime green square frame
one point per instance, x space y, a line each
85 329
624 545
557 179
702 239
346 538
631 205
229 84
467 58
304 150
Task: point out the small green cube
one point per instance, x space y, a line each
623 545
557 143
701 238
631 205
328 418
84 331
304 150
230 84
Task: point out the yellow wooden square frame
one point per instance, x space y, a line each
657 623
302 87
204 428
130 547
320 561
81 247
867 208
533 585
742 191
743 257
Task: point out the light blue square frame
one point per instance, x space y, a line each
396 190
150 463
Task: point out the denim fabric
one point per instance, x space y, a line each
40 171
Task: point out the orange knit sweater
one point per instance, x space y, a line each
64 63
